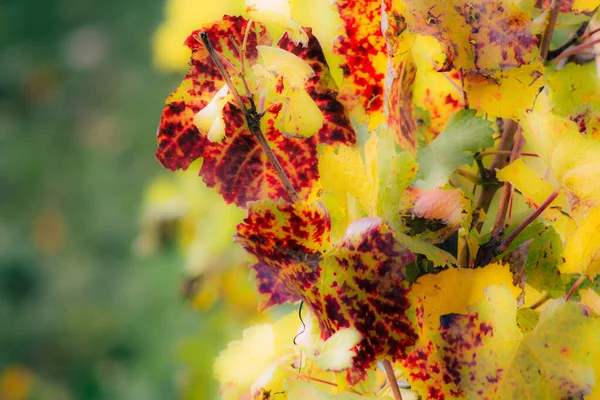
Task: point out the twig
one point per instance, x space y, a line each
489 250
500 161
252 118
577 283
503 152
391 377
547 36
545 297
575 38
576 49
509 239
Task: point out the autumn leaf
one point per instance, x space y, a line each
363 49
574 159
582 250
358 282
478 36
571 87
483 354
237 166
465 133
436 95
505 93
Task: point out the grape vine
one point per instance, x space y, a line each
427 267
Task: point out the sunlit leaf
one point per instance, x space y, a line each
237 166
477 36
483 354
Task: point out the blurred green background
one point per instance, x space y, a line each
82 314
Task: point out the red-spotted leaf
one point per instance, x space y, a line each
237 166
477 35
363 48
358 282
485 355
179 141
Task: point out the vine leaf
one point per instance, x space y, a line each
582 250
358 282
505 93
465 133
478 36
237 166
467 285
571 87
436 95
541 267
574 159
483 354
363 50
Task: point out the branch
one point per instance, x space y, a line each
489 250
500 161
552 54
549 31
509 239
391 377
252 118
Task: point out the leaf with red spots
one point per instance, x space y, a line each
363 49
358 282
237 166
477 35
484 354
179 141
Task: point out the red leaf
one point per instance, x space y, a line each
358 282
237 167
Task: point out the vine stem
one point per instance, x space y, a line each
509 239
252 118
391 377
547 36
577 283
504 152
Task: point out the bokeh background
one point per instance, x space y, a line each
118 280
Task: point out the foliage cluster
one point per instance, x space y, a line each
366 195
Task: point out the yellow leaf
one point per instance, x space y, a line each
572 86
337 351
574 159
581 252
209 120
283 63
343 171
506 93
453 290
590 299
277 12
585 5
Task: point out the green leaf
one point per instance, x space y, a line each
541 267
464 135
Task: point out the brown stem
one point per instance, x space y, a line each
504 152
500 161
391 377
577 283
549 31
509 239
489 250
577 49
577 37
252 118
545 297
